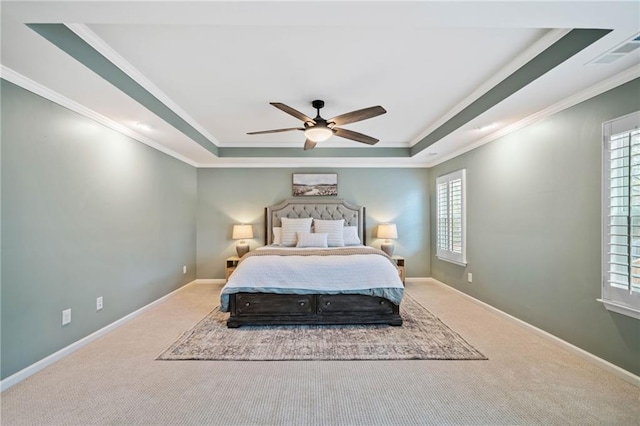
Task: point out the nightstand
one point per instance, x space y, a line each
230 265
400 262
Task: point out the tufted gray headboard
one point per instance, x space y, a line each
328 209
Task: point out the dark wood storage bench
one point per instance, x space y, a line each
289 309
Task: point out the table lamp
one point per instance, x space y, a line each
240 232
387 231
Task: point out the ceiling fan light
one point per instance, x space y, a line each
318 134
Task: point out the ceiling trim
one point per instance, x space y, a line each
535 49
317 152
93 40
314 163
572 43
595 90
68 41
26 83
82 44
370 162
268 161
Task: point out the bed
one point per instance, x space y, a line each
307 282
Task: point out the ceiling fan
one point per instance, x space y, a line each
319 130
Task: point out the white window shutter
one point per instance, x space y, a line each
621 216
451 217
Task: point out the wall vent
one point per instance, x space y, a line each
627 47
619 51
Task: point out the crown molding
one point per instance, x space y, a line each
295 162
40 90
537 48
53 96
591 92
108 52
98 44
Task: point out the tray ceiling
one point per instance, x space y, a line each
192 78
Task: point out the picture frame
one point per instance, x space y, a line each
315 184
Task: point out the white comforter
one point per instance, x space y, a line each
371 274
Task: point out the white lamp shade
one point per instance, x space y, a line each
318 134
240 232
387 230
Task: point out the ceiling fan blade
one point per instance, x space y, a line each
275 131
354 136
297 114
359 115
309 145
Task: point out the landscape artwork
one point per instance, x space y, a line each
315 184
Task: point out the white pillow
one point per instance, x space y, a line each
277 235
307 239
335 229
290 227
350 235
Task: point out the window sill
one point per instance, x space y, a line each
455 262
620 309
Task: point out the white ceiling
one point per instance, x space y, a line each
217 65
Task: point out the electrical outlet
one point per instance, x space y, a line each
470 277
99 303
66 316
184 269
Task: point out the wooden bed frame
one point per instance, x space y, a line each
288 309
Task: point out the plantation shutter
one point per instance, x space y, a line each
451 217
621 284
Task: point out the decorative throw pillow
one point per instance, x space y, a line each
350 236
335 229
291 226
277 236
307 239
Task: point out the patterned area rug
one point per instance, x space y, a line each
421 336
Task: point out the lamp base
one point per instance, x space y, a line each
387 248
242 249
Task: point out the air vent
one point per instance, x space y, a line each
619 51
606 59
627 47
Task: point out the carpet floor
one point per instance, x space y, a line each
116 380
421 336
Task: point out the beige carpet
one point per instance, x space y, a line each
421 336
117 381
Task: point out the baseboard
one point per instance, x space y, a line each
417 280
210 281
68 350
625 375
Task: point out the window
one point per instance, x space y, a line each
451 216
621 216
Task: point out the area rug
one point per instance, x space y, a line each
421 336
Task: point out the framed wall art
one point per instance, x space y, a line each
320 184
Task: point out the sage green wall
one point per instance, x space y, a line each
228 196
534 243
86 212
